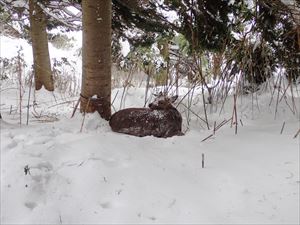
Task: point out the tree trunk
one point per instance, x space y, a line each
96 57
41 58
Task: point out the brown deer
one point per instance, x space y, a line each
161 119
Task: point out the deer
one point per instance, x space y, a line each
161 119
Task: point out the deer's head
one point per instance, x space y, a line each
162 102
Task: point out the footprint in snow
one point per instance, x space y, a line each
30 205
12 144
38 140
152 218
109 162
20 137
45 166
106 205
37 182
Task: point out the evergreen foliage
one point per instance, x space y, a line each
206 24
257 36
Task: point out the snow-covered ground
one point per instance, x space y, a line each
97 176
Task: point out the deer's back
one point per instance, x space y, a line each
145 121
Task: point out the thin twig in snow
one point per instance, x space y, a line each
75 108
298 132
207 137
281 131
29 95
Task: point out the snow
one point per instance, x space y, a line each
19 3
125 47
9 48
98 176
289 2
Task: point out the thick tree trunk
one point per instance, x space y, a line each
96 57
38 32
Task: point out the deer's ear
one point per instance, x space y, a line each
173 98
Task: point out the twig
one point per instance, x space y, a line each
80 164
193 112
62 103
180 101
86 107
241 122
60 219
273 91
5 89
282 127
215 127
298 132
227 89
223 123
29 94
19 71
126 86
235 114
204 107
54 96
207 137
50 120
277 101
75 108
189 103
147 88
284 92
112 103
293 98
286 102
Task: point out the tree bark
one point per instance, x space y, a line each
41 58
96 57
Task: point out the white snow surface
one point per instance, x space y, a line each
100 177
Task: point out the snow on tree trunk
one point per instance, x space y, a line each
96 57
38 32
